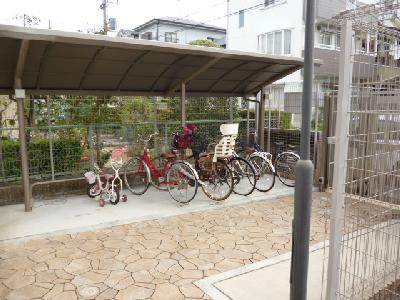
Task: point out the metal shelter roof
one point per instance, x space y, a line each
55 62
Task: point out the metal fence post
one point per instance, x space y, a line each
316 116
341 149
50 139
248 124
304 171
230 109
3 173
183 104
261 119
91 147
269 124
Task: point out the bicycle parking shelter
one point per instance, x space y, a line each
49 62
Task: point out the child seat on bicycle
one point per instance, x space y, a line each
184 139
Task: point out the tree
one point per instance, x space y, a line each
205 43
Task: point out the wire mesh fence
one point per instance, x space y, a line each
65 135
369 253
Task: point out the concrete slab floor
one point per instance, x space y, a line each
78 213
267 279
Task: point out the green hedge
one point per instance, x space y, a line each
286 117
67 154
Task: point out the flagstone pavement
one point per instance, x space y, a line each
158 259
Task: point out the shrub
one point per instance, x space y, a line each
67 154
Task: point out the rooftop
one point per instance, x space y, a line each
56 62
180 22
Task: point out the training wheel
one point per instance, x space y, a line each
124 198
102 202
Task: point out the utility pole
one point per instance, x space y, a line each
304 171
103 6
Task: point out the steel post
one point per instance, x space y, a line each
230 109
20 94
269 124
304 171
50 140
341 149
248 124
183 104
261 120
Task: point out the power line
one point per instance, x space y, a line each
191 14
224 16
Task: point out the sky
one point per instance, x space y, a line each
74 15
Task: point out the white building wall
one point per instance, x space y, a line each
285 15
184 34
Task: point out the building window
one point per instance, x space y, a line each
270 43
171 37
241 18
277 42
147 36
287 42
325 38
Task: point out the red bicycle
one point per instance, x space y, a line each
177 176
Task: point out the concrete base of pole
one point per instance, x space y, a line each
301 229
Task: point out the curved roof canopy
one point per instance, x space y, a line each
55 62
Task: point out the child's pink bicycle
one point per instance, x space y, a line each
110 189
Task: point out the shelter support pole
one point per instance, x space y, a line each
183 104
261 119
341 149
20 96
304 172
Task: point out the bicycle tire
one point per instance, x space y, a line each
186 178
89 190
266 176
115 202
244 176
284 168
143 176
221 171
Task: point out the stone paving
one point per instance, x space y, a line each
157 259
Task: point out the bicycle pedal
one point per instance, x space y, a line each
161 179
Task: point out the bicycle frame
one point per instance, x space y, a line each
153 170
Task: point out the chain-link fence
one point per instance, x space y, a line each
365 173
66 134
283 117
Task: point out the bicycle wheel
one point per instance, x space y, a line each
265 174
217 181
244 176
113 195
284 168
93 190
136 176
181 182
159 163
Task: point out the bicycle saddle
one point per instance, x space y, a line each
279 143
291 147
